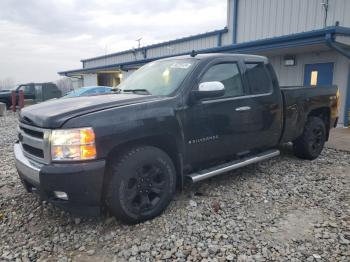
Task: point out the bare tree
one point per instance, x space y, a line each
7 83
65 84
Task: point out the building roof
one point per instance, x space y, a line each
308 38
179 40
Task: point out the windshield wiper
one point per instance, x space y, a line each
137 91
116 90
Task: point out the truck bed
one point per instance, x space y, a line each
300 101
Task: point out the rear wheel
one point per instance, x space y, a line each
310 144
142 185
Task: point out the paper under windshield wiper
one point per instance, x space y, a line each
137 91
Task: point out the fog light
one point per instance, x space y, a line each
60 195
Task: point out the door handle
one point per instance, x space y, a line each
243 108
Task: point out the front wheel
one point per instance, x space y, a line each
142 184
310 144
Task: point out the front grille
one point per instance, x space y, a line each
35 142
33 151
33 133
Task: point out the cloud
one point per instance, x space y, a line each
40 37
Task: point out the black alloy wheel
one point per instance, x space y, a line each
317 138
142 184
310 144
145 188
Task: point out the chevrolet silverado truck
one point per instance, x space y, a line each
188 117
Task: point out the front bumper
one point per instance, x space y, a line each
82 182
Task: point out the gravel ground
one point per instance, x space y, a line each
284 209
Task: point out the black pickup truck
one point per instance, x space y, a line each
35 91
188 117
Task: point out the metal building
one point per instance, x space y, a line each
307 42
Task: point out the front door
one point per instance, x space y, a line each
318 74
212 126
28 91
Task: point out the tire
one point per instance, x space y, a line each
310 144
142 184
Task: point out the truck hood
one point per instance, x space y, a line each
54 113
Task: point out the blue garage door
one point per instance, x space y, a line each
318 74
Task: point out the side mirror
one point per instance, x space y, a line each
209 89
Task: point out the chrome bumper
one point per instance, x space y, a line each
26 167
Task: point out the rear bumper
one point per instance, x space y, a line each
82 182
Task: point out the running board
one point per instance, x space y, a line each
210 172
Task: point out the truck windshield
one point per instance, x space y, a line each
160 78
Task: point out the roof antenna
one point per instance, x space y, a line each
193 53
139 42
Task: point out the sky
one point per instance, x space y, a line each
39 38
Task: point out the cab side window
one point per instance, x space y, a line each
229 75
258 78
27 89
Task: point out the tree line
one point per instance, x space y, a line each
7 83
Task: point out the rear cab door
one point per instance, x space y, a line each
261 110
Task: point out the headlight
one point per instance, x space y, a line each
73 144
